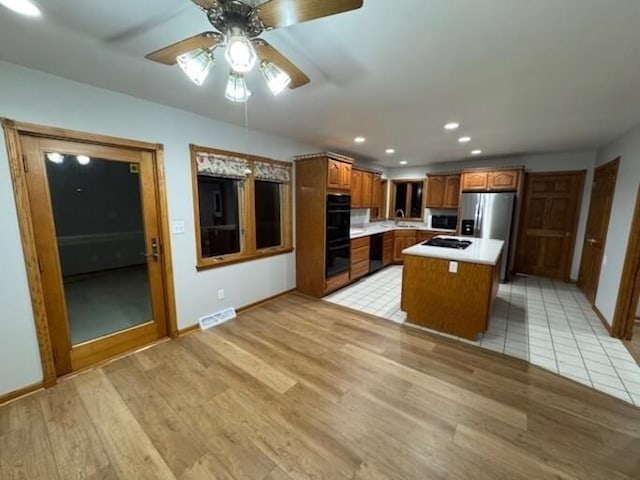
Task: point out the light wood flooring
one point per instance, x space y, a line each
303 389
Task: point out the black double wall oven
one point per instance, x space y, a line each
337 236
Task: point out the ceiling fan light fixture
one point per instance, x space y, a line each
240 53
197 64
276 78
237 90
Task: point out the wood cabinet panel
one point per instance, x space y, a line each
503 180
401 240
424 235
338 175
359 254
360 242
356 188
367 189
475 181
336 282
359 270
435 190
387 248
451 197
345 175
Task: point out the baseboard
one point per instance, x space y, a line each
244 308
21 392
602 319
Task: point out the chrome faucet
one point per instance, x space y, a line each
396 215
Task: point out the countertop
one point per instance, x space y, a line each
483 251
381 227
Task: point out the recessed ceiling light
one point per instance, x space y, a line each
55 157
25 7
359 139
403 162
476 152
389 151
452 126
464 139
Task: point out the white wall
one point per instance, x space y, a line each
628 149
551 162
31 96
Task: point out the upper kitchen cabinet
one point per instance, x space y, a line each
367 189
507 180
478 181
356 188
339 173
443 191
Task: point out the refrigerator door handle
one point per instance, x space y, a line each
478 230
476 216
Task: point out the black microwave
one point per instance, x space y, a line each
445 222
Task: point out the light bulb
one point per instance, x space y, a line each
237 88
196 64
276 78
55 157
83 159
240 52
452 126
464 139
25 7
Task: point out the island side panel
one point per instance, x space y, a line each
455 303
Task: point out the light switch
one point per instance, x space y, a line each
177 227
453 267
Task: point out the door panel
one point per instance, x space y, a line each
549 222
97 238
604 184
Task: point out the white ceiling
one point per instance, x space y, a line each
521 76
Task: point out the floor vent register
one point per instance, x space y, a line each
217 318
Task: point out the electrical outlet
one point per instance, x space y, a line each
453 267
221 294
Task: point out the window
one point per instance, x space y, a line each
407 195
243 206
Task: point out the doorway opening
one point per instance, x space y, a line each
94 227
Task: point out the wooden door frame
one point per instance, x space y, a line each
613 163
629 291
12 131
574 229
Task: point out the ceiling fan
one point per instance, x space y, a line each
239 24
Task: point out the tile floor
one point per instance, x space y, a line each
545 322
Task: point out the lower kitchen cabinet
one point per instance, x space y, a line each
387 248
402 239
360 249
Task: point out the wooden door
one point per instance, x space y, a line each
549 222
402 239
95 212
451 197
333 174
604 185
376 203
367 189
435 191
387 248
356 188
503 180
475 181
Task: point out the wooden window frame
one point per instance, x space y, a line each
407 202
246 214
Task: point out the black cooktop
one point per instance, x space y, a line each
448 243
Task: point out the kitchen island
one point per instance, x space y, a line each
452 290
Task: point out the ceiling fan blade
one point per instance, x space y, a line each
167 55
282 13
267 52
206 4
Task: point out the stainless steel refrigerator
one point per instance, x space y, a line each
489 215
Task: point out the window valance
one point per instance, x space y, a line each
271 172
217 165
